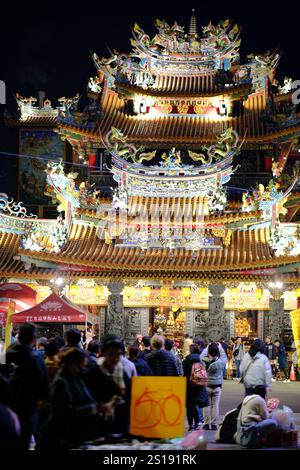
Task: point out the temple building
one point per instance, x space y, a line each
178 208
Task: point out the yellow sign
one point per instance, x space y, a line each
295 319
158 406
8 328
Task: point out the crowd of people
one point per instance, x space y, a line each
54 394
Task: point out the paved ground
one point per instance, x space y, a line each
289 394
232 395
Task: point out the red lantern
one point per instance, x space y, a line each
92 160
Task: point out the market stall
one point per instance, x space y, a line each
53 309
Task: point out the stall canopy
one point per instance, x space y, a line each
23 296
53 309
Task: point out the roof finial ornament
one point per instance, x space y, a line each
193 24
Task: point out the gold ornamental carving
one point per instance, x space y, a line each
218 232
227 238
199 109
166 108
183 108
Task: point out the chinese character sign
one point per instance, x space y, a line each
158 406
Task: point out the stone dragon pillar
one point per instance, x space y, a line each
274 327
115 310
216 318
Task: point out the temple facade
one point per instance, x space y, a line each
179 206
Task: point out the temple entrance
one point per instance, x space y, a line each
246 324
168 321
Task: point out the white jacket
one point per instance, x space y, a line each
256 370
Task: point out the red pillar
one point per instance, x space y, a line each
268 163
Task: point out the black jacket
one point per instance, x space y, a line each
72 418
101 387
142 367
144 354
162 363
10 439
270 351
196 394
29 382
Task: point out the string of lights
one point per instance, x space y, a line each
46 159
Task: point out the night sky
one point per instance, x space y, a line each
47 46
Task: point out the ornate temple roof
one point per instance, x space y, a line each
183 129
247 250
186 86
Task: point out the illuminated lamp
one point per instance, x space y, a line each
259 293
222 108
128 291
146 291
59 281
164 291
99 290
234 293
297 292
73 290
202 292
186 292
174 309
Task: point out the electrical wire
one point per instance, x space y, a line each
85 165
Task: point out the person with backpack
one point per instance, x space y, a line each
196 396
226 434
256 370
214 359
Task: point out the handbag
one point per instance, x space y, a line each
241 381
236 352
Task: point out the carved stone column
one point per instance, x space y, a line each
115 310
274 327
260 324
102 323
136 322
190 322
216 319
